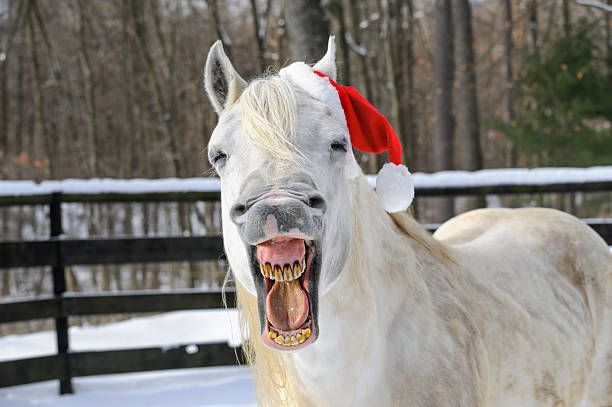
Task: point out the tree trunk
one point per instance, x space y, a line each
7 47
213 8
355 17
508 80
390 65
338 27
411 134
468 152
64 95
307 29
258 37
42 140
608 42
533 28
89 95
443 97
140 27
567 19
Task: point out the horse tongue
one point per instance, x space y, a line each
287 305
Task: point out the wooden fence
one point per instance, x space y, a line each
59 252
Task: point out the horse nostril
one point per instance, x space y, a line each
237 210
317 201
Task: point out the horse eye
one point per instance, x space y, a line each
218 157
339 146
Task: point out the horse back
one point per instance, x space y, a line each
570 246
552 277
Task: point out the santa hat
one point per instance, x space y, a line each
369 131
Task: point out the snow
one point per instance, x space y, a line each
202 387
489 177
164 331
513 176
509 176
109 185
226 386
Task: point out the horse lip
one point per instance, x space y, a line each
296 235
268 218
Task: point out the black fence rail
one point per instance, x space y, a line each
59 252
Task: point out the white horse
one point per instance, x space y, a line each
347 305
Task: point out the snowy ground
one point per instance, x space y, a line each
205 387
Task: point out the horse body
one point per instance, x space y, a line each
506 324
498 308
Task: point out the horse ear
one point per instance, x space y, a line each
222 82
327 64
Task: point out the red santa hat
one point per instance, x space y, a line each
369 132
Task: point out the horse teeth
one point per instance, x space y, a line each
268 270
288 274
297 269
289 340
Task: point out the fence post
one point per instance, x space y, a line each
59 287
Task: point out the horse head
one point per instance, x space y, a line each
284 158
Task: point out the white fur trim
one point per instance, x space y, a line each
303 76
394 187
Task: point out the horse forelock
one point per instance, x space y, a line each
269 117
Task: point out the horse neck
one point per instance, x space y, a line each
375 236
380 276
358 311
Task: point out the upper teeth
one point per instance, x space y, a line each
284 273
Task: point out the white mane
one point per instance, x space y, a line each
269 116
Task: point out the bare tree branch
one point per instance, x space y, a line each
595 3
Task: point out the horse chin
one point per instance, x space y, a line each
286 272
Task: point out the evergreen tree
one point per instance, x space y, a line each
565 104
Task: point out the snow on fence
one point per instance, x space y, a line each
59 252
491 181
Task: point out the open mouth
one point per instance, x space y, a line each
287 265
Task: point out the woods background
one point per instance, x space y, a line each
113 88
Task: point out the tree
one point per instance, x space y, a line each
508 77
443 97
565 104
307 29
335 11
411 134
467 149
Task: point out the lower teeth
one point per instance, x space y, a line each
290 340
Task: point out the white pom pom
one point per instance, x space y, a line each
394 187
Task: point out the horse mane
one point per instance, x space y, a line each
269 116
409 226
271 369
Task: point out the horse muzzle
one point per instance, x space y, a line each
282 231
